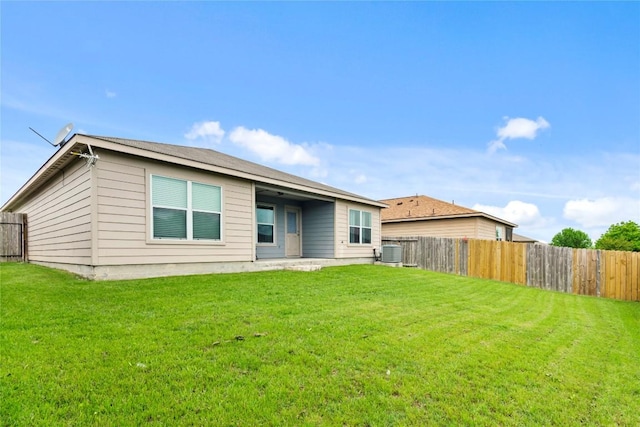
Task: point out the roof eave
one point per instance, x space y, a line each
114 146
57 161
466 215
62 157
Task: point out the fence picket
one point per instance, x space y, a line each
608 274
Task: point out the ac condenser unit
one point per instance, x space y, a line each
392 253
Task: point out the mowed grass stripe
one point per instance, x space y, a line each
358 345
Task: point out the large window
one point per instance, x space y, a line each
266 219
359 227
185 210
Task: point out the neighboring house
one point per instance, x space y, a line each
147 209
426 216
518 238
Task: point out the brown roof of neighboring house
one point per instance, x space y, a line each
421 207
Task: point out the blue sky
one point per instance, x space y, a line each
526 110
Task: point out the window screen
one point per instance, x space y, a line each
185 210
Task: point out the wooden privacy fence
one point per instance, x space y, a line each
609 274
13 236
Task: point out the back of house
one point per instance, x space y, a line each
144 209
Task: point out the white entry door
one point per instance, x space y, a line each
292 227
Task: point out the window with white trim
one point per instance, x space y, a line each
359 227
185 210
266 223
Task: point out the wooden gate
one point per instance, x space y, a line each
13 237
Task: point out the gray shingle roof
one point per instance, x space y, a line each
523 239
218 159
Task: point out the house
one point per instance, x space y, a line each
426 216
108 208
518 238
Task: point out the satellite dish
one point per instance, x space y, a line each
62 134
60 137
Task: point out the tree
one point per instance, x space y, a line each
624 236
570 238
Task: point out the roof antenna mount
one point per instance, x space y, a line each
90 157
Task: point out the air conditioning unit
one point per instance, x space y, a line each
391 253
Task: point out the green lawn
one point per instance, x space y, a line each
358 345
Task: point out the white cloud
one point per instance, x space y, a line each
496 145
208 131
110 94
602 212
517 128
273 147
522 128
358 177
521 213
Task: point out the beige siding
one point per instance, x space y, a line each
455 228
59 218
123 207
472 228
343 248
487 229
